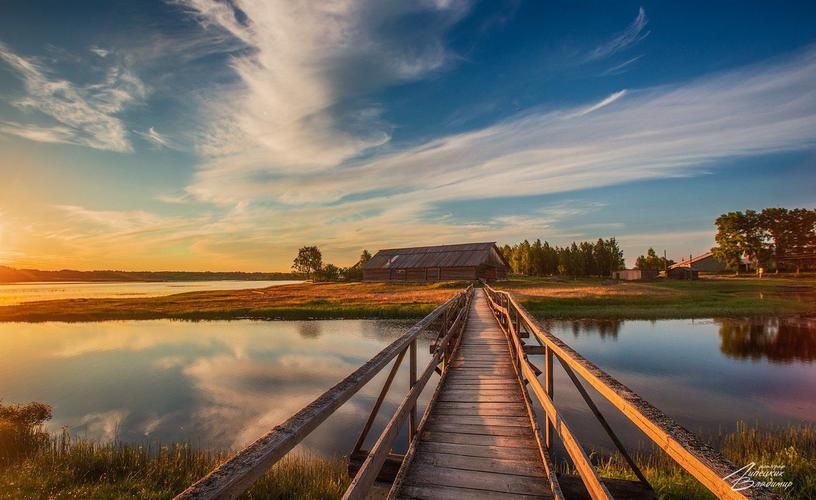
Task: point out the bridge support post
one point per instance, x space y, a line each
412 424
548 388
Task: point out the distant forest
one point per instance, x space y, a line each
587 258
11 275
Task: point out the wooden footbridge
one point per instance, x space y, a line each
480 436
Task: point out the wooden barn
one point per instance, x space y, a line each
467 261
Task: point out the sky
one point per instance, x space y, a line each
224 135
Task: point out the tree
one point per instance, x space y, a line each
729 239
329 272
309 260
364 257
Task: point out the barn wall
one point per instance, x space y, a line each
458 273
376 275
419 274
416 274
709 265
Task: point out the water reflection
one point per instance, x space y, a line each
217 384
780 340
603 328
705 374
309 329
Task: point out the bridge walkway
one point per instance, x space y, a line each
478 441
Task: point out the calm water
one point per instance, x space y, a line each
18 293
705 374
225 383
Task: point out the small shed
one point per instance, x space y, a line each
683 273
468 261
635 274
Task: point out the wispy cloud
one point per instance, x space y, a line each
603 103
156 138
629 37
86 113
293 107
55 134
622 67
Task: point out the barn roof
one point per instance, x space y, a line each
685 262
462 255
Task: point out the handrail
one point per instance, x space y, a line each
699 459
237 474
365 477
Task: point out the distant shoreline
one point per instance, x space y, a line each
10 275
545 298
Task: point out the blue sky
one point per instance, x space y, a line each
199 134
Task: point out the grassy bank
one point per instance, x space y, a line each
793 447
97 471
90 470
550 298
298 301
547 298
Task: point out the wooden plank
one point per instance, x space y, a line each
528 467
477 439
422 491
472 450
477 398
484 420
502 483
491 430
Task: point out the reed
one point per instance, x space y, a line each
86 469
792 446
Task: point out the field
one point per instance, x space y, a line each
545 297
664 299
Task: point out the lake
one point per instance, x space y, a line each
18 293
224 383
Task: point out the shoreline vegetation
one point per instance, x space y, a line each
34 464
546 298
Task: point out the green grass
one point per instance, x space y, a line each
793 447
101 471
547 298
664 299
83 469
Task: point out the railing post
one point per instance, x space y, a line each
549 389
412 426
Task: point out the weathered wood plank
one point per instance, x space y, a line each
502 483
477 439
483 420
532 468
472 450
436 492
492 430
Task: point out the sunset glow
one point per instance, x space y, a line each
204 135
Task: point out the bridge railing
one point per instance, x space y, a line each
703 462
237 474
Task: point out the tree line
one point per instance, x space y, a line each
579 259
767 238
309 262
